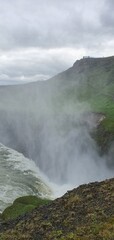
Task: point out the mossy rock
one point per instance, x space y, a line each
31 200
21 206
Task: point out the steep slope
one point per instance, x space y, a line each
90 79
83 213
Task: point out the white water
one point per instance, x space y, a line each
19 176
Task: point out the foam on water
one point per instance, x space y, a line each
19 176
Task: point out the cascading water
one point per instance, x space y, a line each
56 138
19 176
68 154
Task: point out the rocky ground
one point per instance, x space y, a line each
86 212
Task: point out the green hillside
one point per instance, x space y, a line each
92 80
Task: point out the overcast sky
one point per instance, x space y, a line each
40 38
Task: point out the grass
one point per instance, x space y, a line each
21 206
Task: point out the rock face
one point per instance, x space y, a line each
83 213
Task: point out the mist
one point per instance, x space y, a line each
41 122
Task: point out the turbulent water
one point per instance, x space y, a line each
19 176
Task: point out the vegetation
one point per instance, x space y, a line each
81 214
21 206
90 81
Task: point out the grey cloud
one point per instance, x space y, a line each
49 23
31 65
39 38
107 18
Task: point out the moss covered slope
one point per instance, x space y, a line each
83 213
21 206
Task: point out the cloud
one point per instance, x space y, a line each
48 23
107 18
32 64
39 38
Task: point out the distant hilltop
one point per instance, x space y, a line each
99 69
86 57
93 61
